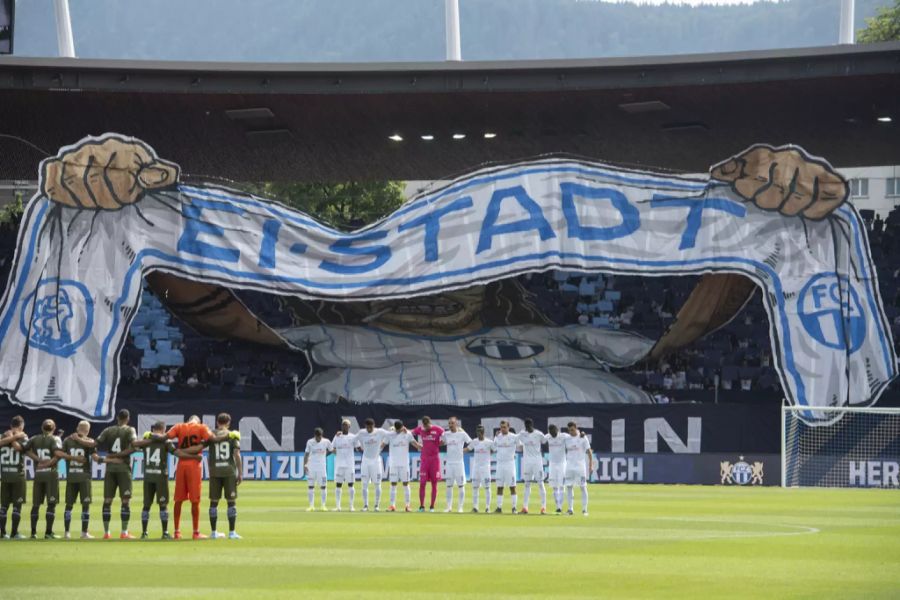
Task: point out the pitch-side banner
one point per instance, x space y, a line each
109 211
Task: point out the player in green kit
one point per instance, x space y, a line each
77 449
224 474
117 440
12 475
156 450
45 449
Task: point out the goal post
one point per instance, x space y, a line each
840 447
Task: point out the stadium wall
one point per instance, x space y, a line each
681 443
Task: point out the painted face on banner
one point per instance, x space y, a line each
451 313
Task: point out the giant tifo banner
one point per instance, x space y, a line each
109 212
729 444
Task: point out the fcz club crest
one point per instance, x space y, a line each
741 472
504 348
57 316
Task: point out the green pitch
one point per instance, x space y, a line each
639 541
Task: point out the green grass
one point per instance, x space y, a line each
639 541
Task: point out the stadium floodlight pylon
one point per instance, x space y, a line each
840 447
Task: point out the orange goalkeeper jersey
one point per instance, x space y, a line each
189 434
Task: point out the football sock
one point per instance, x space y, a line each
195 516
16 517
51 517
232 517
164 519
85 517
145 518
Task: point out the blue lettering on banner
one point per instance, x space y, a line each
380 254
193 227
695 214
535 220
432 223
832 313
631 218
267 248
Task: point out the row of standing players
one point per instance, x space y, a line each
118 442
570 462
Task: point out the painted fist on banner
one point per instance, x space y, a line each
105 173
784 179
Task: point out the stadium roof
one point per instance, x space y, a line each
332 121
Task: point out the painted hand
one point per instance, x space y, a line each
784 179
105 173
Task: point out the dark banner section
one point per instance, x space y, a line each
620 429
682 443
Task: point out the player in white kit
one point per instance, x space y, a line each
556 443
506 444
399 441
455 439
317 448
531 441
344 444
481 448
579 462
372 441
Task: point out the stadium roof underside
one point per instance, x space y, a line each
332 122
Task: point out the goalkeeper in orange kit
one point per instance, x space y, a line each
190 439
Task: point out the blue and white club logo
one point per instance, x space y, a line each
741 472
832 313
57 317
504 348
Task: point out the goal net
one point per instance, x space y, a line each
840 447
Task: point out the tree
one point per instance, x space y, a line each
345 205
12 212
883 27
